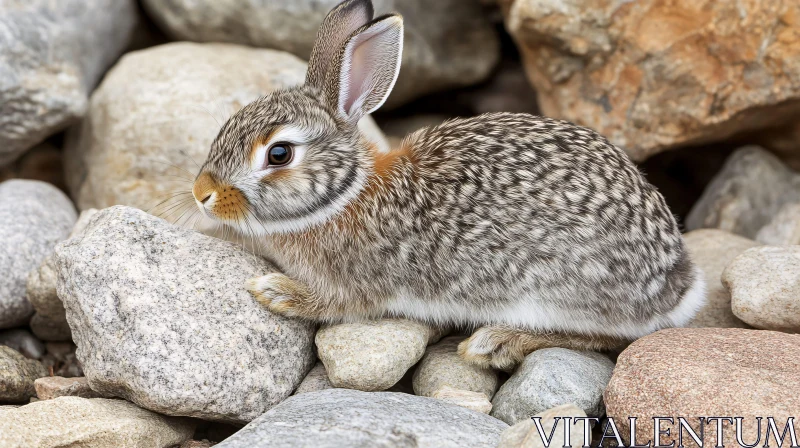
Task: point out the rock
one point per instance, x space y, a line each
712 250
60 357
150 121
316 379
448 43
746 194
22 341
784 228
219 355
42 162
551 377
34 216
51 387
442 367
51 56
96 423
704 372
196 444
372 356
764 283
340 417
477 401
49 323
525 435
652 75
17 375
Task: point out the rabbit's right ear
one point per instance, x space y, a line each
337 26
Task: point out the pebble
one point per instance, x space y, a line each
372 356
17 374
51 387
764 283
442 367
551 377
477 401
525 434
712 250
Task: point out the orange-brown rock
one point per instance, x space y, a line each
706 372
654 74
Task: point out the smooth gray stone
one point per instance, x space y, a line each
161 318
34 216
22 341
552 377
336 418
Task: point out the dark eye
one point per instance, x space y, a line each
279 154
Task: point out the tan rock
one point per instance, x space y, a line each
477 401
316 379
97 422
784 229
51 387
372 356
703 372
712 250
442 367
49 323
654 74
153 118
764 283
746 194
525 434
17 374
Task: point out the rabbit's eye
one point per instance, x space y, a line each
279 154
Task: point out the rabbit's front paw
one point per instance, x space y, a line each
280 294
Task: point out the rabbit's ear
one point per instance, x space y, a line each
367 68
338 25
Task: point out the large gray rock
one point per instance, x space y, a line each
442 367
712 250
153 118
96 423
49 323
372 356
17 374
448 43
746 194
552 377
336 418
34 216
51 56
161 318
764 283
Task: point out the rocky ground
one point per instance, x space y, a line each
121 325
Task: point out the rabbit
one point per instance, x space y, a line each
531 231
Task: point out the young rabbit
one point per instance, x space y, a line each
540 232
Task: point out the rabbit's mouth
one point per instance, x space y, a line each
217 200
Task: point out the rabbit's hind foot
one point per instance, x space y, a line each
504 347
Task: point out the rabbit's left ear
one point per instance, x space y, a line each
366 68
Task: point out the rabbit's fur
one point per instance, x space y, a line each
539 230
